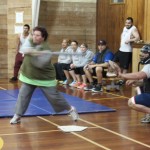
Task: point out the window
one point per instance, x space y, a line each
117 1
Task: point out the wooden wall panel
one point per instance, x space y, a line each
111 19
147 21
3 39
73 20
12 8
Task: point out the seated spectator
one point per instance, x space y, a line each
97 66
79 62
69 72
63 60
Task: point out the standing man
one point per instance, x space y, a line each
37 71
124 54
19 58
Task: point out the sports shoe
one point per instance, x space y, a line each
111 74
120 82
13 79
74 114
16 119
77 84
146 119
82 86
98 88
89 87
72 83
65 82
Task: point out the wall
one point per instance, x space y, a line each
74 19
3 39
12 8
111 19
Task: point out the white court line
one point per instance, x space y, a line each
3 88
121 135
80 136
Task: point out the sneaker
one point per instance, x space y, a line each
89 87
60 82
13 79
120 82
82 86
146 119
98 88
16 119
111 74
72 83
65 82
74 114
77 84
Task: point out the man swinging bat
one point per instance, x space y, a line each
41 74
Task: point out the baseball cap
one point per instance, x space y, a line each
102 42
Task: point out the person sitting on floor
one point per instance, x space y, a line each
97 66
79 62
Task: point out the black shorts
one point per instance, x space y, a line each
79 71
124 59
103 72
66 67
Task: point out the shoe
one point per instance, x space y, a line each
120 82
98 88
74 114
146 119
13 79
111 74
60 82
89 87
65 82
82 86
77 84
16 119
72 83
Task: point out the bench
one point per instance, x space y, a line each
111 86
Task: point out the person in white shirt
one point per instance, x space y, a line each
19 58
124 55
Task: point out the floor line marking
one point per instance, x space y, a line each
118 134
80 136
1 143
111 98
28 132
3 88
36 132
116 95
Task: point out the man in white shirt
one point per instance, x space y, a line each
124 54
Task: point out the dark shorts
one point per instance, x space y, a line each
66 67
79 71
124 59
103 72
143 99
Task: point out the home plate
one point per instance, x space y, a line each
72 128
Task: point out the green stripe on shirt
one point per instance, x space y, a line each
46 83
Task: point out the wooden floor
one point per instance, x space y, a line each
120 130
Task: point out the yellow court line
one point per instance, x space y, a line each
80 136
116 95
1 143
121 135
104 98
